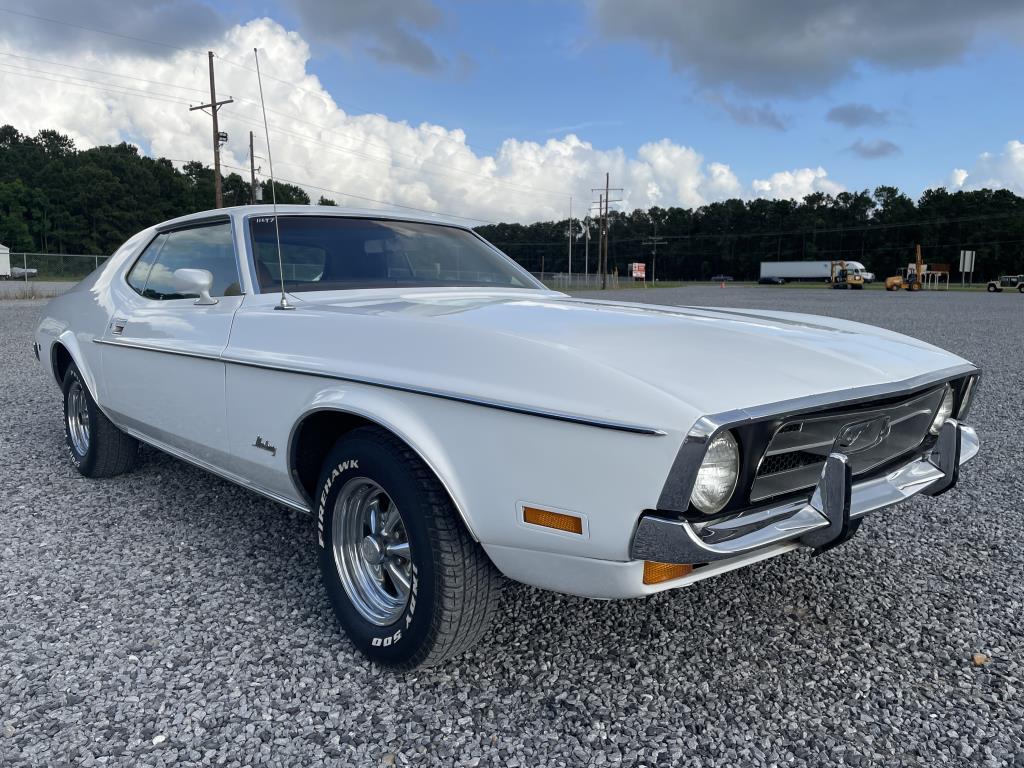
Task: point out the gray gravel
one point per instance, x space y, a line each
170 617
33 289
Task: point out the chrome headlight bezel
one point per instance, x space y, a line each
723 452
944 411
967 392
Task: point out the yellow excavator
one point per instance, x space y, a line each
841 277
911 282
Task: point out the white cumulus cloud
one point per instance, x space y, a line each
796 184
993 170
343 156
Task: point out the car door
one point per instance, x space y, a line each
162 372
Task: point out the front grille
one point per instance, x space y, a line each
870 436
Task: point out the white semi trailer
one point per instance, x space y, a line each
810 270
5 263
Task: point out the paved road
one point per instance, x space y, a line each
169 616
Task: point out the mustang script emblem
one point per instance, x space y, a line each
863 434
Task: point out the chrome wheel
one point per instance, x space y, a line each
371 551
78 418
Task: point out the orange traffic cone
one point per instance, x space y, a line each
722 285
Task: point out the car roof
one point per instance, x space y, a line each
239 211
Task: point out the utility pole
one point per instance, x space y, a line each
252 173
603 200
654 242
586 251
570 233
218 138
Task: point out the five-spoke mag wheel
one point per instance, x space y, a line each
78 417
372 551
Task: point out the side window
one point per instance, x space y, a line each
139 273
209 247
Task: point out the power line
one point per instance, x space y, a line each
362 108
121 90
296 86
100 31
74 80
100 72
364 197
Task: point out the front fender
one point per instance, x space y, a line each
382 408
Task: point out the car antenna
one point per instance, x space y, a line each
283 304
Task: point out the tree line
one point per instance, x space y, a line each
879 228
55 198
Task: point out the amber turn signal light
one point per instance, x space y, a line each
556 520
655 572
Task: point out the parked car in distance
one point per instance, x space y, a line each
772 281
1006 281
722 279
448 421
21 273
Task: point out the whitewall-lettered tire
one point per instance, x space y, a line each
407 582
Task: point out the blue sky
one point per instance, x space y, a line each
537 67
746 84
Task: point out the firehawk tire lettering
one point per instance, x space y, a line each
335 473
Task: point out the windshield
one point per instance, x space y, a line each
328 253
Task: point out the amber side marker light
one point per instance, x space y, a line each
556 520
655 572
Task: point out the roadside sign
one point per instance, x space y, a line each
639 270
966 265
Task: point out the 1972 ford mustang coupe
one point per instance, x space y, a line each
447 419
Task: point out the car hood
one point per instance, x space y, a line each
612 360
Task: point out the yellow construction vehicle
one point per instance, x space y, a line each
841 277
912 282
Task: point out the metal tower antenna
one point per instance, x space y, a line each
283 304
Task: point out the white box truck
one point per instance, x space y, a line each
5 263
820 271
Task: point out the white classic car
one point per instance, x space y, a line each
446 419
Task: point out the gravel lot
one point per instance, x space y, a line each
170 617
33 289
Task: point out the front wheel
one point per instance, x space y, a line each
406 581
991 288
97 447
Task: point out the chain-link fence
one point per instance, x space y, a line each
563 281
51 267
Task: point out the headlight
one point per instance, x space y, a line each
716 478
944 412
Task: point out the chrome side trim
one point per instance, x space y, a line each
675 494
813 522
427 392
229 476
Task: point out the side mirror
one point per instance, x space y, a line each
195 281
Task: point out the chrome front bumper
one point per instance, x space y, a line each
818 522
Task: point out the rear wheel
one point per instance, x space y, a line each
406 581
97 448
991 288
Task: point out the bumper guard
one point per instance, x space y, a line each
830 516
